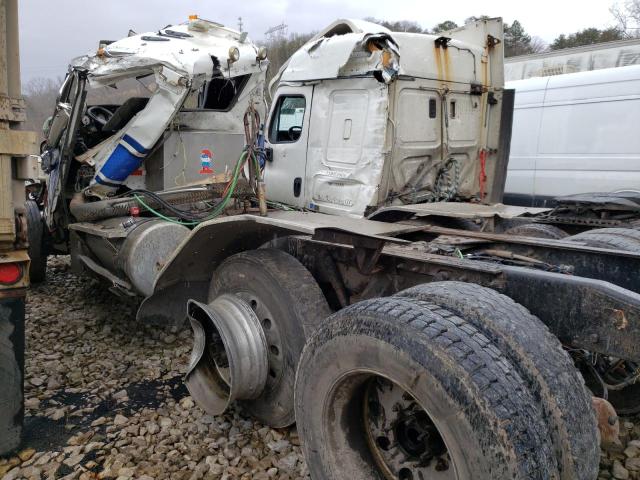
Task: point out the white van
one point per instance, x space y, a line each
574 133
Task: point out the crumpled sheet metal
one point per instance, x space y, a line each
351 48
119 160
346 173
339 51
189 56
343 55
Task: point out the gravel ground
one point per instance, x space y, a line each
105 399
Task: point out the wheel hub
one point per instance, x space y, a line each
417 435
404 441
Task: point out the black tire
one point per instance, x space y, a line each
626 239
290 305
36 249
623 232
483 410
541 362
538 230
11 373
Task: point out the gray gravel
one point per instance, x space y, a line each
623 462
104 399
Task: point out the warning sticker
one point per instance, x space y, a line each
206 159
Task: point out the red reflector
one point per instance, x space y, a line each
10 273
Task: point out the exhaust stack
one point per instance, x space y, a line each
229 357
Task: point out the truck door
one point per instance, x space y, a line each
287 134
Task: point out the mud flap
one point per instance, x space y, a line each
11 373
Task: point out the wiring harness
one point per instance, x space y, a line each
253 155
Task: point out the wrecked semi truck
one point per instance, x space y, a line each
343 260
16 241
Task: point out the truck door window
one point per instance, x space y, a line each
287 119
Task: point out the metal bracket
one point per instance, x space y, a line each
492 41
367 249
442 42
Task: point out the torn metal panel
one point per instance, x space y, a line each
339 27
184 61
343 55
197 48
350 25
346 150
115 164
393 54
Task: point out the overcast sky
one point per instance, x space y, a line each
54 31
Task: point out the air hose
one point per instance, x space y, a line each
164 204
217 210
119 207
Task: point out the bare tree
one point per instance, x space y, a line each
538 45
280 49
627 14
40 95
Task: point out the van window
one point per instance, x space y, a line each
287 119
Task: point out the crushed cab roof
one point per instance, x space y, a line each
195 48
340 50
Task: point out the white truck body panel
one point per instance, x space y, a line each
391 137
575 133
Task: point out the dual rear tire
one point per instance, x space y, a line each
626 239
483 390
444 380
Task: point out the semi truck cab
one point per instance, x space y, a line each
362 118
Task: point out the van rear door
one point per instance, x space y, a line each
527 116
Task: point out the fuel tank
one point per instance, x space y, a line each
136 249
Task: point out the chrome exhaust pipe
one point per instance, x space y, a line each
229 357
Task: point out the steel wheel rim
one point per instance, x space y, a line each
271 329
406 444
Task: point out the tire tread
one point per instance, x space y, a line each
541 362
496 379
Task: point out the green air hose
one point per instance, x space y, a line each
218 209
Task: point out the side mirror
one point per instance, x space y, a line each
268 154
